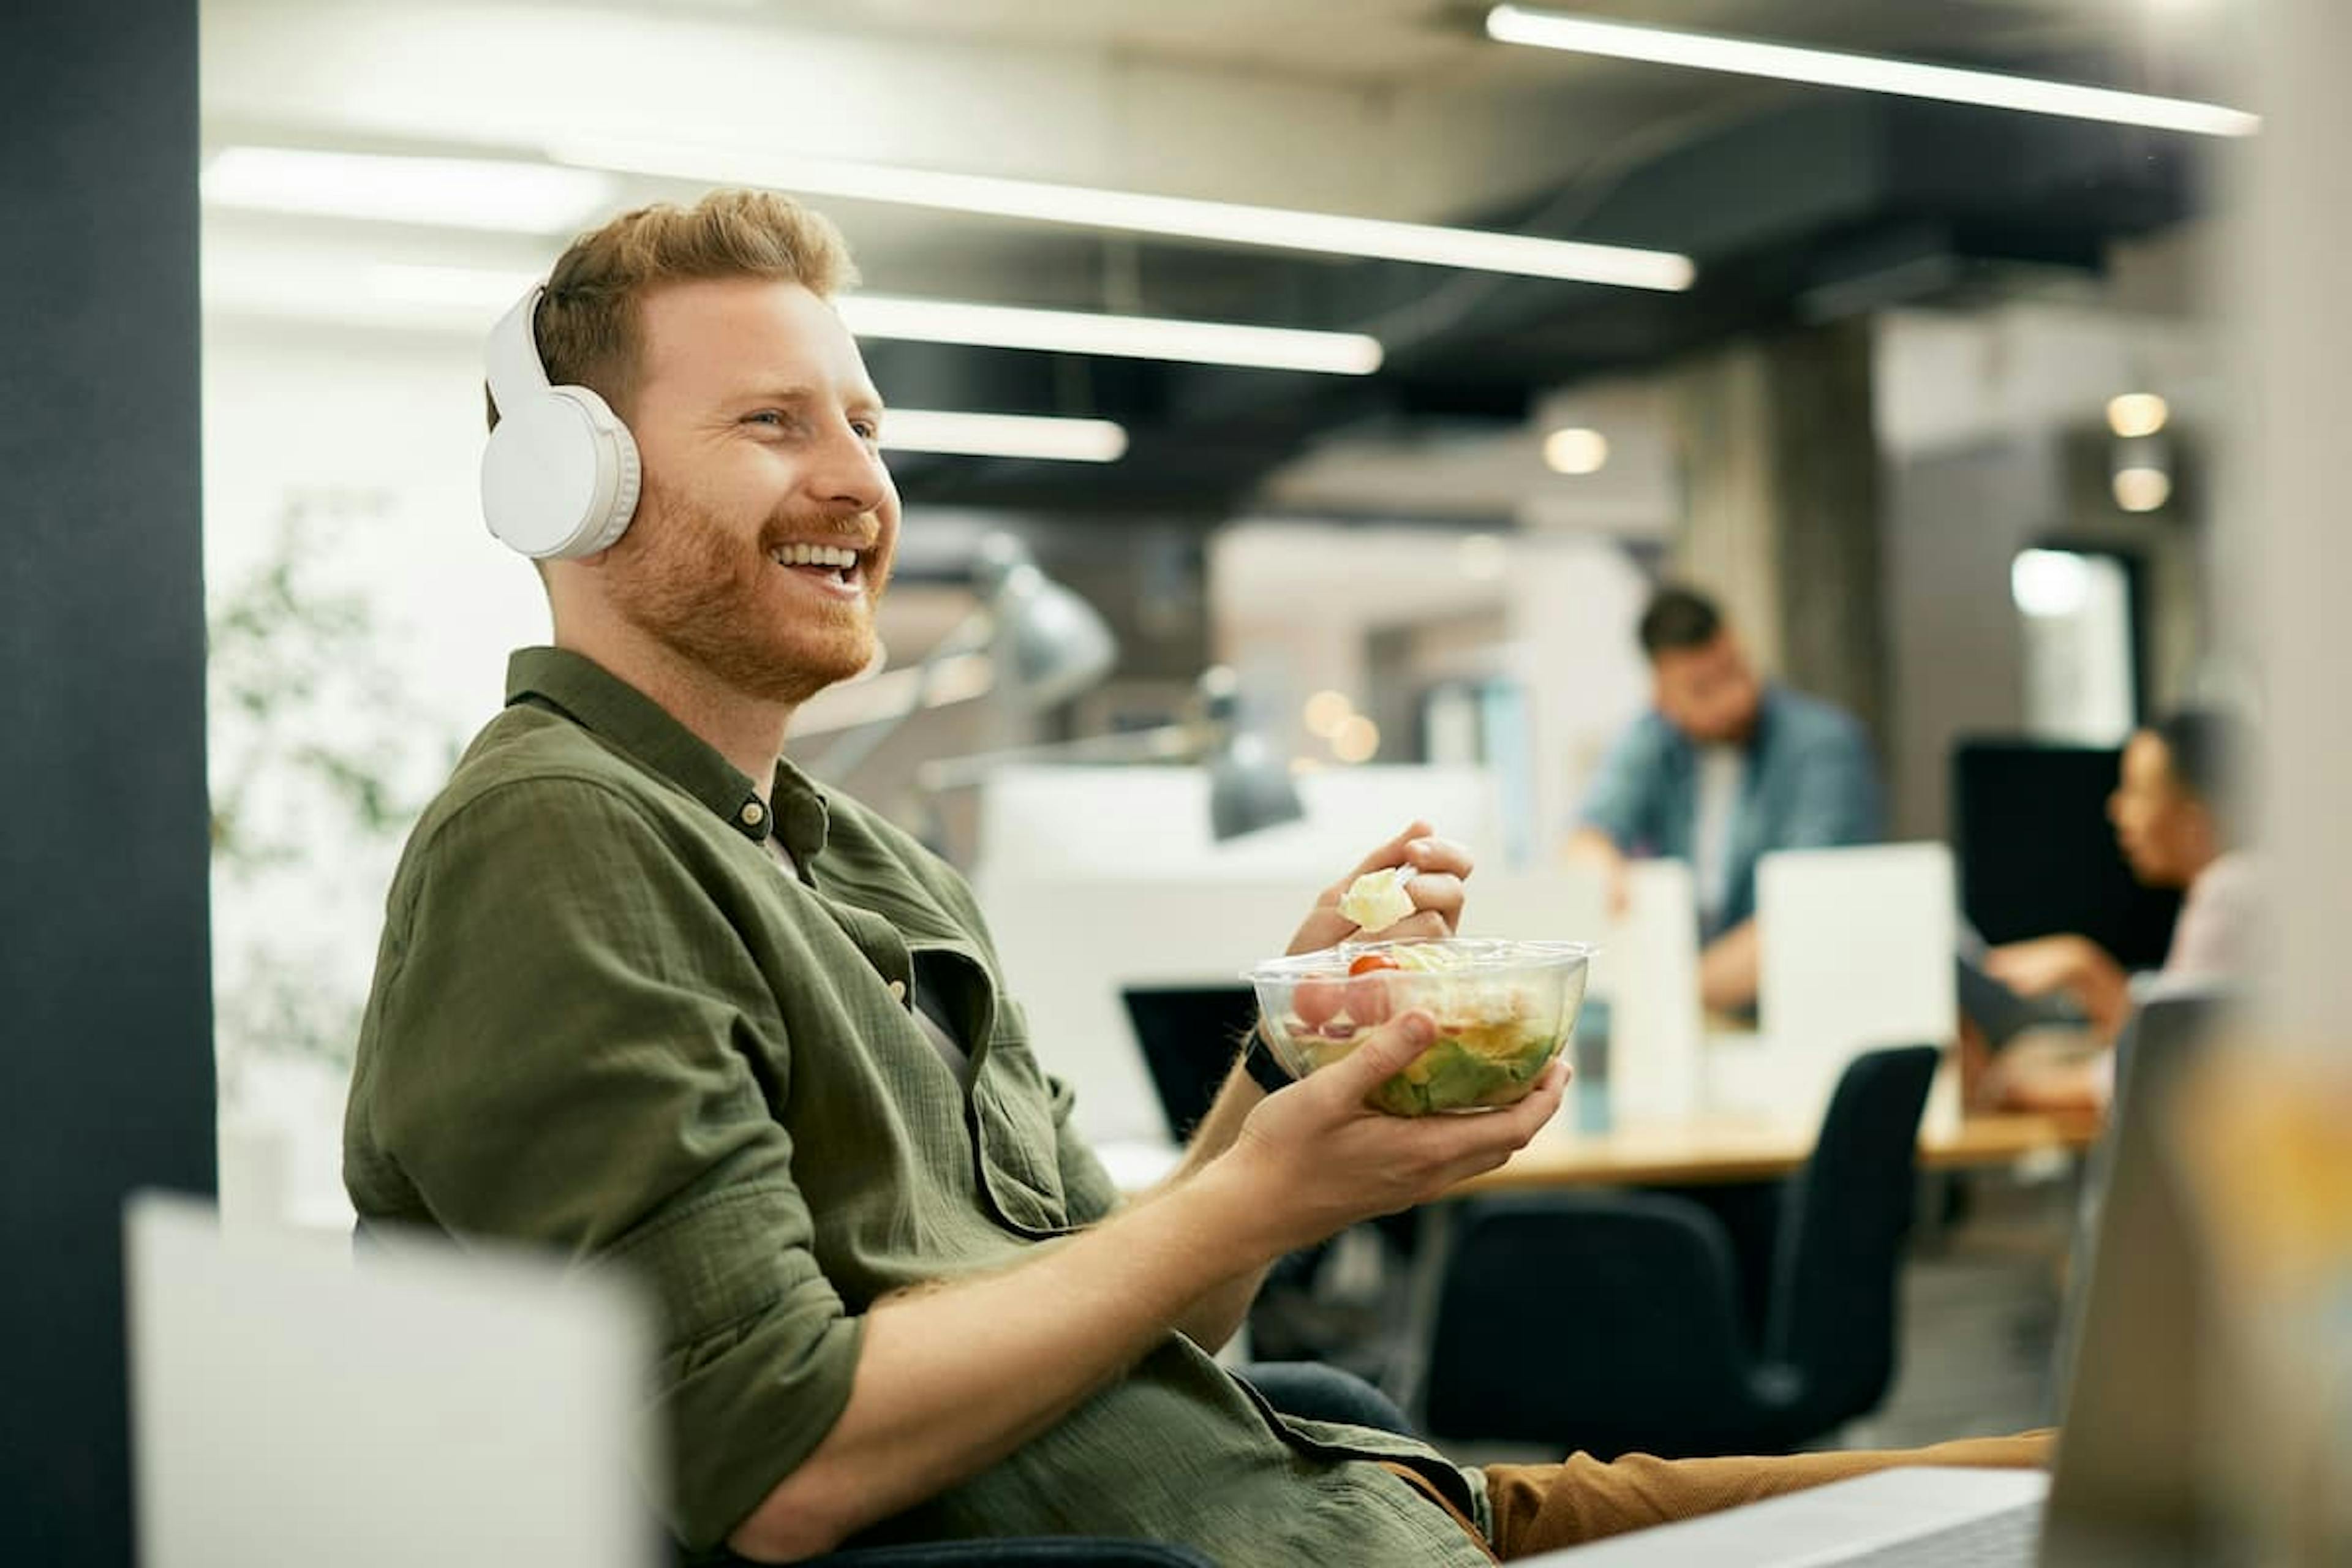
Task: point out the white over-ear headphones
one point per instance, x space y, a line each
559 476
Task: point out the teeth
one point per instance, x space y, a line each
816 555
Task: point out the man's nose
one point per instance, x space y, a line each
849 475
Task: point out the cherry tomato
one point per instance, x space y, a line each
1371 961
1317 1002
1368 998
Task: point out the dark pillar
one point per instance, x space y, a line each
1781 459
106 1056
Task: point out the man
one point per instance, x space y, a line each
1720 773
647 995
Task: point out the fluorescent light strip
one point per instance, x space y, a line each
1128 337
450 193
1003 436
1132 212
428 294
471 290
1824 67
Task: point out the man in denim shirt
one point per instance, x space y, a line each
1724 769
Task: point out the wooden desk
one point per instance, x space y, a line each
1748 1149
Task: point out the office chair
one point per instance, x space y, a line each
1613 1322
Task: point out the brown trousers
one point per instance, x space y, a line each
1542 1507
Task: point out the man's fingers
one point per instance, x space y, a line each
1434 856
1392 853
1382 1054
1438 894
1542 1103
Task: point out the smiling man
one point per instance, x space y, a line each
649 996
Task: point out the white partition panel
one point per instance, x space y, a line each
1649 973
1858 953
1069 944
1536 906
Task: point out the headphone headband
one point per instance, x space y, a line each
510 361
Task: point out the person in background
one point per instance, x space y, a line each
2172 814
1724 769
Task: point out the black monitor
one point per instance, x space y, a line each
1190 1036
2037 854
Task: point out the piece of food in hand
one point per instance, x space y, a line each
1377 899
1503 1009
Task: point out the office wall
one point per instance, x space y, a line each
106 1065
1991 426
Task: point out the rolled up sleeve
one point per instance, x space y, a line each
577 1050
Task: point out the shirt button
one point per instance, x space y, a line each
898 991
753 814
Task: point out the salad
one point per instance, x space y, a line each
1503 1010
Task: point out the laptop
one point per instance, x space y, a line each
416 1405
1189 1035
2124 1488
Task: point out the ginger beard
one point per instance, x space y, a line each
710 591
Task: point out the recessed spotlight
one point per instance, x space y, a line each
2137 414
1576 450
2142 489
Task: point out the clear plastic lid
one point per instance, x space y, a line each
1435 955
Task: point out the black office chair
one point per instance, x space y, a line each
1611 1322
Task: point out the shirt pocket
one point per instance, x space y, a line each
1017 1142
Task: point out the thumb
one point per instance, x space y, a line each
1383 1053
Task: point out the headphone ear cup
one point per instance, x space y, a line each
561 476
620 472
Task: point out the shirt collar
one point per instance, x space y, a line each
589 694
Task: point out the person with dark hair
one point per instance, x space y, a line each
1724 769
2175 811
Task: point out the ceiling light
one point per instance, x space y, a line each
2142 489
1134 212
1357 741
447 193
1003 436
1576 450
1325 711
467 288
2136 413
1127 337
426 295
2049 584
1824 67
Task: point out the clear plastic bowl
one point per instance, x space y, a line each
1503 1011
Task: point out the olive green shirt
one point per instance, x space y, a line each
608 1019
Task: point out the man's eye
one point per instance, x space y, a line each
767 416
867 430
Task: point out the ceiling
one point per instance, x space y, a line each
1798 205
